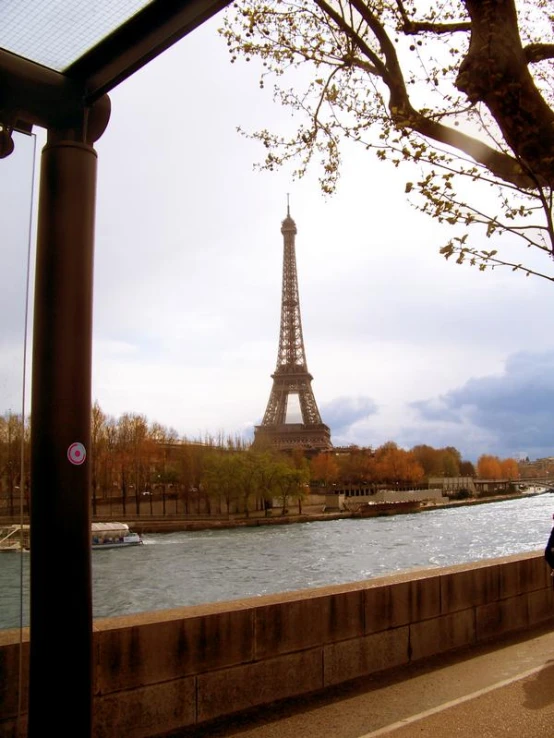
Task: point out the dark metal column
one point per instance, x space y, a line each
60 679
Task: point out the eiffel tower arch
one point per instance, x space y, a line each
291 376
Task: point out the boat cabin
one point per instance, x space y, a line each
15 538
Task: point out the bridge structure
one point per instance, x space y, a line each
545 481
481 486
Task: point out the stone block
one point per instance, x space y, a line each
301 623
387 606
391 604
469 587
141 713
504 616
240 688
346 616
540 606
520 576
425 598
291 626
163 650
363 656
548 579
442 634
533 572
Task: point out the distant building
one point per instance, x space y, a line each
538 468
453 484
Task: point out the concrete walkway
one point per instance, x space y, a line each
502 690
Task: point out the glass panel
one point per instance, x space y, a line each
55 33
16 205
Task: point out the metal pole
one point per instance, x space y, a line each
60 677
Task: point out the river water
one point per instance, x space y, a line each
188 568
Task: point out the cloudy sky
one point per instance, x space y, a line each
402 345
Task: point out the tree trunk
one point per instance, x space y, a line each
495 72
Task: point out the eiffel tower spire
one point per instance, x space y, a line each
291 376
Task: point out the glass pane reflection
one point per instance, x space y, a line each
55 33
16 202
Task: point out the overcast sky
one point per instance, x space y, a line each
402 345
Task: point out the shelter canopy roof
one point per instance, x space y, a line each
55 33
77 50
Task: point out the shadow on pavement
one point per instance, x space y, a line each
539 689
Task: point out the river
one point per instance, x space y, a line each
188 568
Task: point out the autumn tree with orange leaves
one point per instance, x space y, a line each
509 469
134 462
439 462
324 468
491 467
393 464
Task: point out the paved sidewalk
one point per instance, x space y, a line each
506 689
521 707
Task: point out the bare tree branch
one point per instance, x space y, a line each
538 52
404 115
411 27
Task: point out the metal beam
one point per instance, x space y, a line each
161 24
31 94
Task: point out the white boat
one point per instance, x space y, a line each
15 538
113 535
103 535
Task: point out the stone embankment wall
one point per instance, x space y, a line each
158 672
422 495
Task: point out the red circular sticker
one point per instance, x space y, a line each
76 453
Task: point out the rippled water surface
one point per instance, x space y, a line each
175 569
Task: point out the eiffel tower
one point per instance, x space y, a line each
291 375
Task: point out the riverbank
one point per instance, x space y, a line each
310 514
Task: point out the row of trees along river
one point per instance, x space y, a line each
136 465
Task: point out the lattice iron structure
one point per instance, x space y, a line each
291 375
